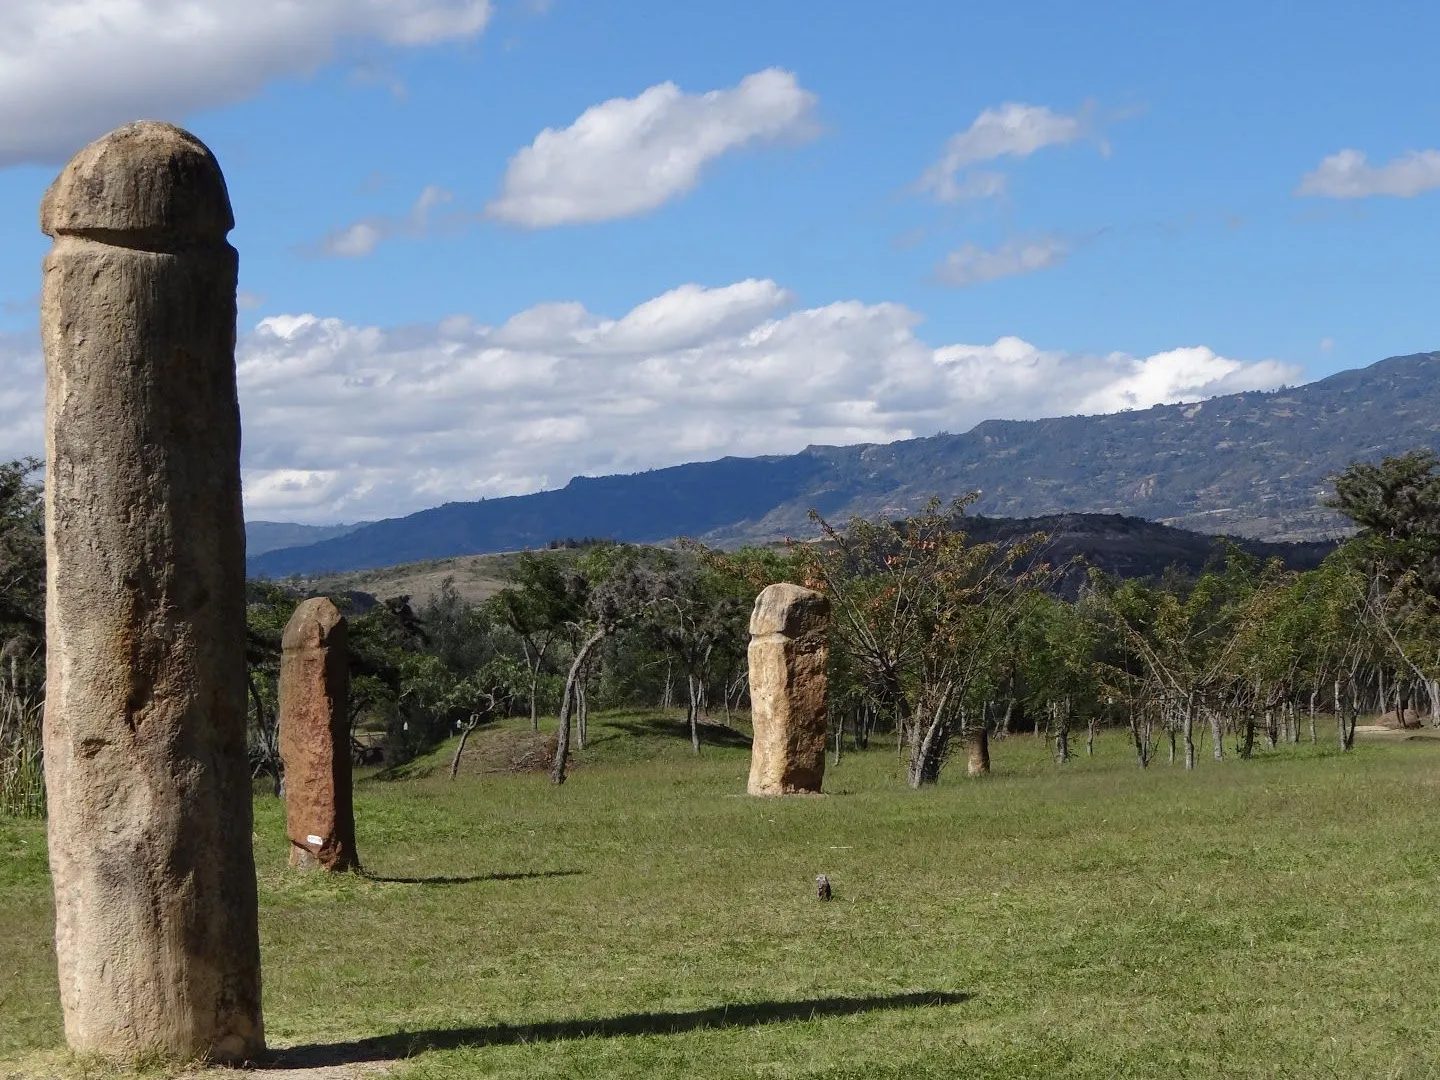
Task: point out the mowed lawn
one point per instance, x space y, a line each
1278 917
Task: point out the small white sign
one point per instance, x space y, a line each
314 840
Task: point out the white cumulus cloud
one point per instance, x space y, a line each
72 69
1010 130
972 265
1349 175
344 421
627 156
22 397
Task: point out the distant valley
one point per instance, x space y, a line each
263 536
1251 465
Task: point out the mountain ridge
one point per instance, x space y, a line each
1251 464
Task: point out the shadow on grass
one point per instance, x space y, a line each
410 1043
471 880
711 734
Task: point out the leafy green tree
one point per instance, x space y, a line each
22 551
22 638
543 599
1397 497
1057 644
623 588
923 614
268 607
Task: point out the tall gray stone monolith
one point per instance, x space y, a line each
788 655
315 738
145 764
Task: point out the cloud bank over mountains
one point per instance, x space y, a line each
72 69
343 422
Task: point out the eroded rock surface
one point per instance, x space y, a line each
788 655
315 738
145 765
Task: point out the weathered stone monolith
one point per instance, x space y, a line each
315 738
788 654
977 751
145 764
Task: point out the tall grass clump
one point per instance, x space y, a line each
22 771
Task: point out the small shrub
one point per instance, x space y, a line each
22 772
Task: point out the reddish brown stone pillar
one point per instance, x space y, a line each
156 934
788 656
315 738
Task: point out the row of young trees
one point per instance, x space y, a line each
934 638
601 624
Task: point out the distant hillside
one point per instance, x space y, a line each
263 536
1124 547
1249 464
475 577
1131 547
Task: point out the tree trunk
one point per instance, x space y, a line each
534 691
464 736
1217 735
928 753
1314 692
269 732
1140 732
1062 736
1010 709
562 737
694 713
582 721
1340 717
1354 718
1188 719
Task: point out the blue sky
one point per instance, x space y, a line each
487 246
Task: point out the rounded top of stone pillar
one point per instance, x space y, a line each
147 184
313 623
792 610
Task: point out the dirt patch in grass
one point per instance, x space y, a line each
507 751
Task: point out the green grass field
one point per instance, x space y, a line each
1272 918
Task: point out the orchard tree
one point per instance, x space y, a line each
624 588
542 601
22 554
923 615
